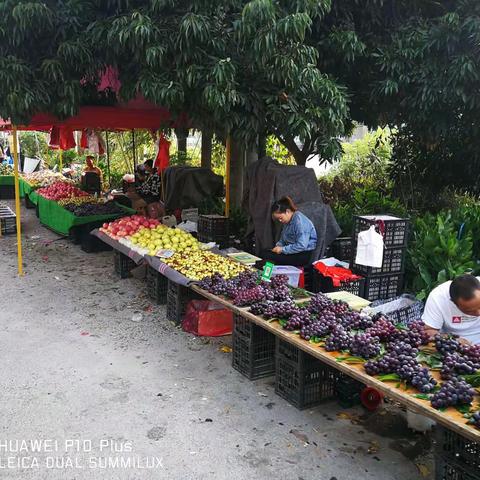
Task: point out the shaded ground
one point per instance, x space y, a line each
85 356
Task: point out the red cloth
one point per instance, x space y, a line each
337 274
62 138
162 161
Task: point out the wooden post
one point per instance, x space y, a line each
206 154
17 203
227 176
108 159
60 161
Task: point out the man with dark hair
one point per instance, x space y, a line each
454 307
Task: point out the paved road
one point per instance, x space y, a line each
90 368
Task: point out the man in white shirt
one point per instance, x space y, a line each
454 307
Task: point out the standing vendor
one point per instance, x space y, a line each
298 239
454 307
149 191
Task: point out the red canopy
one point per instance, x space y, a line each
102 118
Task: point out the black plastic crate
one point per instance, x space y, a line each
222 240
7 192
349 391
123 264
447 469
393 262
341 249
92 244
213 225
253 349
301 379
395 232
321 283
8 220
157 286
383 287
178 297
454 447
28 202
401 314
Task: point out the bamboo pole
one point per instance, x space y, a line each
60 162
17 202
227 175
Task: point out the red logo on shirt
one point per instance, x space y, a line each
456 319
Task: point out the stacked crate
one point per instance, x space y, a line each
213 228
387 281
8 220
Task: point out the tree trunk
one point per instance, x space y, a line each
181 134
299 155
262 146
237 170
206 155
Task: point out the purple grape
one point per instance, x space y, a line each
446 343
453 392
338 340
365 345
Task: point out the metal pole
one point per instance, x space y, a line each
134 150
108 158
227 175
17 203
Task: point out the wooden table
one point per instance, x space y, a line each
450 418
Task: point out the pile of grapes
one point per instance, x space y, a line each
87 209
383 347
247 290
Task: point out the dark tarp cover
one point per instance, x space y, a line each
188 187
268 181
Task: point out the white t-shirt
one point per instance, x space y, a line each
441 313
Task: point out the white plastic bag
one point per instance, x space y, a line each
369 248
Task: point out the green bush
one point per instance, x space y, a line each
365 201
437 254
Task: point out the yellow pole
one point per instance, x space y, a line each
227 176
61 161
17 203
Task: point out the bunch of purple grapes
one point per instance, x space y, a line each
472 352
298 320
338 340
318 328
423 381
383 329
398 354
252 295
365 345
455 363
215 284
475 420
319 303
453 392
273 309
356 321
446 343
415 334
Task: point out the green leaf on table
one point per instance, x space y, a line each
433 360
421 396
463 409
351 359
473 380
389 377
282 322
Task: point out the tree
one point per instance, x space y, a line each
415 65
232 66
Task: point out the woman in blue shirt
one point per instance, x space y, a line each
298 239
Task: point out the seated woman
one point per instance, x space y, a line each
149 191
298 239
91 179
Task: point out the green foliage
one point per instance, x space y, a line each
275 149
436 253
365 201
243 67
364 163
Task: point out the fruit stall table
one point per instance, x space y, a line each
60 220
27 190
450 418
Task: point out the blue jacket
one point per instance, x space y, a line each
299 235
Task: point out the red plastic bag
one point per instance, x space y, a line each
207 319
337 274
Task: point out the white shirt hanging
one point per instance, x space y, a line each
370 248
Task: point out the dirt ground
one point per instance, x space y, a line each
93 370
